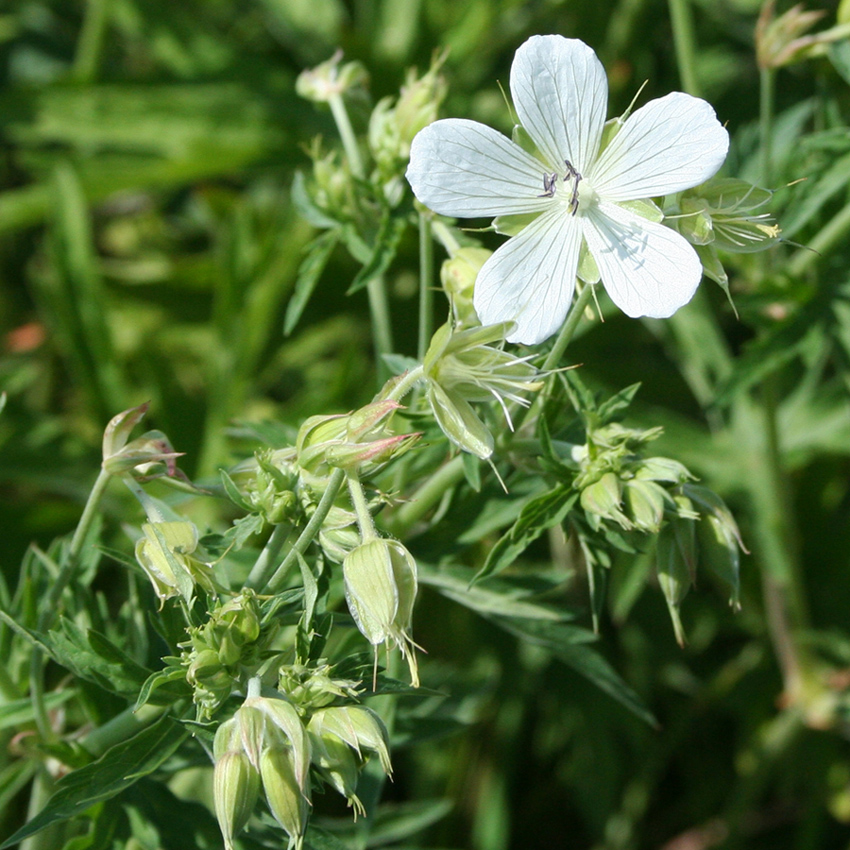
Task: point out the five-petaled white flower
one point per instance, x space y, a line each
579 187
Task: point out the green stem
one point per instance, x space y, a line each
265 563
767 88
90 42
50 608
405 384
382 335
120 728
426 289
379 309
310 531
568 328
685 44
426 497
361 508
346 134
831 235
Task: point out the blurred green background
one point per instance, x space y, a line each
148 247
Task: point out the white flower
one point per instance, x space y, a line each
465 169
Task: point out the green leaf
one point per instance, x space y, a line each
169 685
507 596
21 711
538 514
305 207
395 823
311 268
118 768
568 644
93 657
233 492
383 252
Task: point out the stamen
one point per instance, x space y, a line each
576 177
550 183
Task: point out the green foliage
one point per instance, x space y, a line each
179 227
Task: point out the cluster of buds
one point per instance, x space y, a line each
219 652
380 588
270 744
147 457
168 553
358 441
271 489
394 123
620 486
462 367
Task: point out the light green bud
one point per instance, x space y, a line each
602 500
380 588
330 79
236 788
646 501
282 726
358 727
165 554
663 469
340 766
286 797
676 564
311 688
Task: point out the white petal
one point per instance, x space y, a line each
531 278
647 269
561 95
463 168
671 144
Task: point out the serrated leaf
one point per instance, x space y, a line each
537 515
118 768
93 657
318 253
383 252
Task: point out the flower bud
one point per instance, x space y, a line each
330 79
646 502
236 787
458 274
284 794
380 588
782 41
165 554
719 538
358 727
339 766
676 565
602 500
149 456
351 440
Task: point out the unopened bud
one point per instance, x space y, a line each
284 794
236 787
165 554
330 79
380 588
